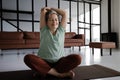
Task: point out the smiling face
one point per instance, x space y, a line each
53 21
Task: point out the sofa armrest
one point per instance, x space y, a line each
79 36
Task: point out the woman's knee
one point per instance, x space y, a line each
75 58
28 58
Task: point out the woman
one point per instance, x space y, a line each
50 59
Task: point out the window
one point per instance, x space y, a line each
89 21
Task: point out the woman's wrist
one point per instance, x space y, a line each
51 8
43 10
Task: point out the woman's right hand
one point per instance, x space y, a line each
42 16
45 9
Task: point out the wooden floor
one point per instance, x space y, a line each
11 61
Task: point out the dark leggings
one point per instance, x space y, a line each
41 66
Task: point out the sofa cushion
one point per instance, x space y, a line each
73 40
37 35
14 46
11 35
32 41
31 35
72 44
11 42
70 34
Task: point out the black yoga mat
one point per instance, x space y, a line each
82 73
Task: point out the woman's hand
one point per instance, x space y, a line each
45 9
42 16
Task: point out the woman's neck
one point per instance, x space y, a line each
53 31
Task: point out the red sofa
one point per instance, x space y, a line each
26 40
19 40
72 39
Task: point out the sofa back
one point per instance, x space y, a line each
11 35
31 35
69 35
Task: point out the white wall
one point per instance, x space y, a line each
115 17
104 16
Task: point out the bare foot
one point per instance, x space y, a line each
70 74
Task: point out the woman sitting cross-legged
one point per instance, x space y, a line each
51 57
